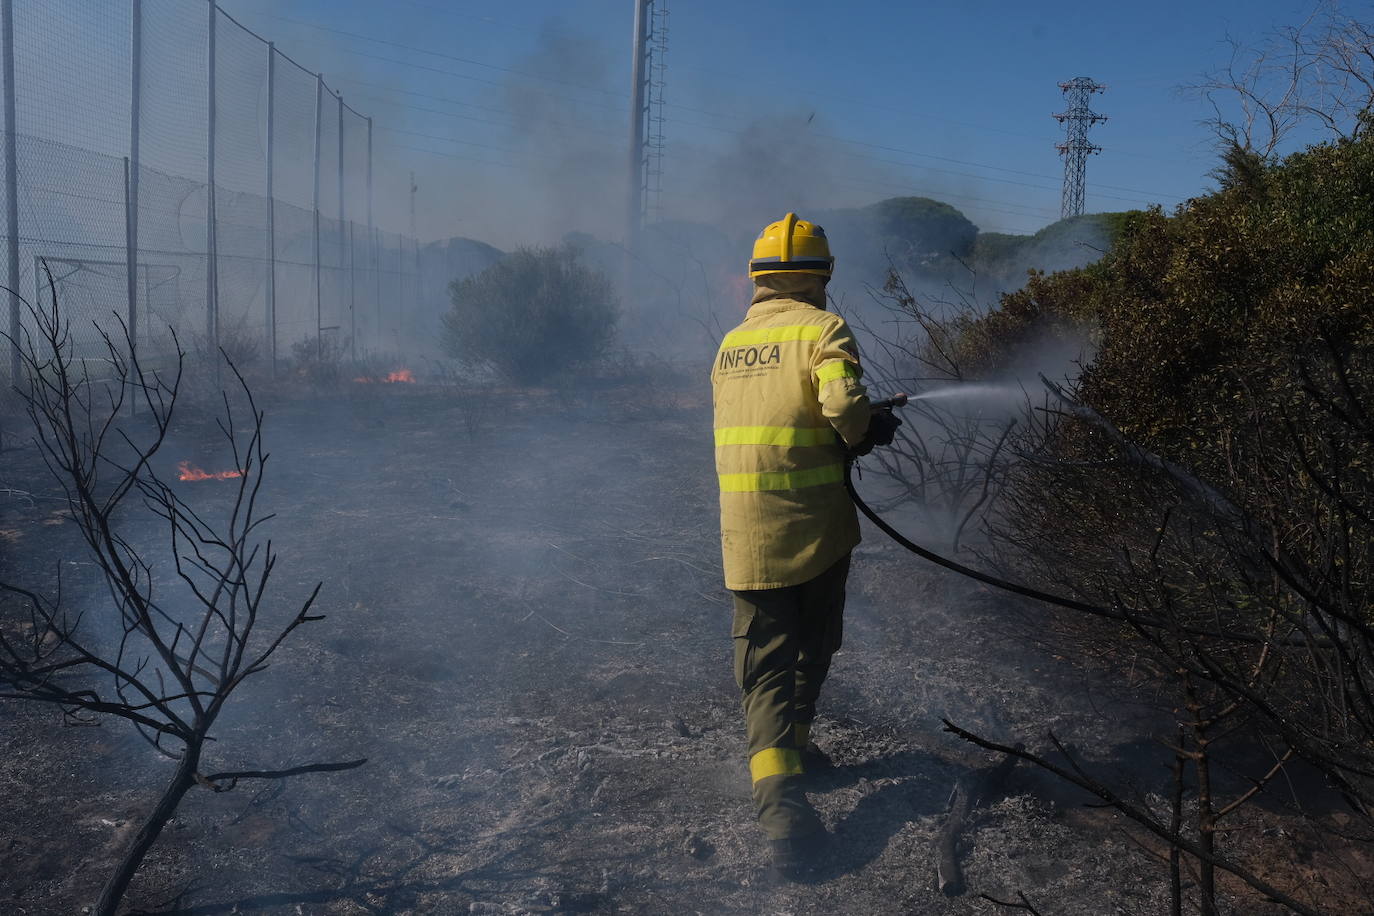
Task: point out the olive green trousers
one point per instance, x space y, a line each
784 639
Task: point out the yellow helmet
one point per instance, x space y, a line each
792 246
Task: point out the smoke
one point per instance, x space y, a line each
574 141
532 150
773 165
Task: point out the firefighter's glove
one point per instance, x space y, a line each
882 428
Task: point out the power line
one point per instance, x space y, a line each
984 203
587 128
506 112
1150 196
526 167
470 18
462 60
1022 184
739 79
609 135
457 75
908 152
444 155
498 149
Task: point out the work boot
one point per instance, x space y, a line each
797 858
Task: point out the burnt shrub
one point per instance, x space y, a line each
319 360
533 314
1219 475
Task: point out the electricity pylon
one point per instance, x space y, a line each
1075 148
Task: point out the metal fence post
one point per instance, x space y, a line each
352 342
372 259
271 209
352 293
319 320
131 171
377 279
11 189
211 265
131 275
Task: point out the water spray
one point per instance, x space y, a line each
962 390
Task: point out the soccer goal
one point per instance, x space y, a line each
94 297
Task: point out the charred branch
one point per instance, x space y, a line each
214 780
1075 774
1020 903
174 660
970 790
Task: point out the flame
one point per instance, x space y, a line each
400 375
188 471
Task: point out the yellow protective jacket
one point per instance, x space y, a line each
784 382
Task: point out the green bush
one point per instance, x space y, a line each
1234 338
1195 313
533 314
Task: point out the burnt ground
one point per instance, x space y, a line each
528 639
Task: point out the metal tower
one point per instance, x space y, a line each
653 141
646 115
1075 148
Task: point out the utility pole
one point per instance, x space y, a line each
1076 148
413 188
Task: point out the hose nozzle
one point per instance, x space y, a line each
897 400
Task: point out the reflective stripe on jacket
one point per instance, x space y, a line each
784 382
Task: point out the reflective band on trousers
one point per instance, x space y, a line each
771 335
775 435
781 480
835 369
775 761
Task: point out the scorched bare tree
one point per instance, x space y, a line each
1320 72
180 633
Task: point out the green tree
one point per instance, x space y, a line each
533 314
927 227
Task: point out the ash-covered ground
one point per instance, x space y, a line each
528 639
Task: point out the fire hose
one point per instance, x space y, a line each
1139 621
925 554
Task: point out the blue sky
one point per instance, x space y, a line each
520 108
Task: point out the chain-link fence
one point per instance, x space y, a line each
173 170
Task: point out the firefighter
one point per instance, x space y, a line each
789 411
